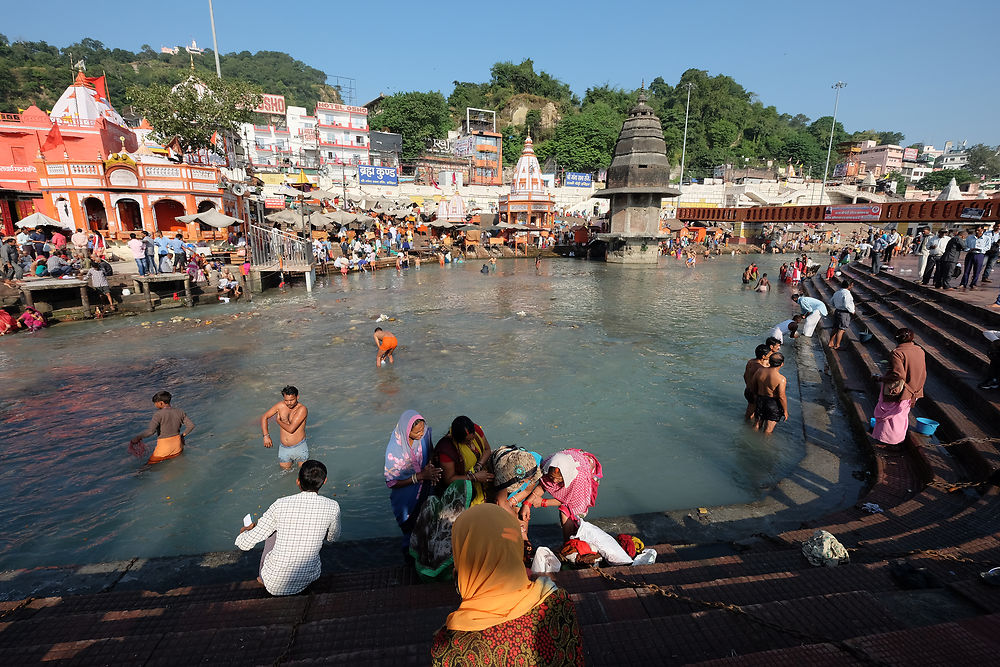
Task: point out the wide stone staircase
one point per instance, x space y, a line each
911 595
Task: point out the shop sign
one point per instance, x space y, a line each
578 180
972 213
274 202
330 106
910 154
369 175
271 104
853 212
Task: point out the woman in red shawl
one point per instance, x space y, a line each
571 477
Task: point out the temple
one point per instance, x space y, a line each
82 165
529 202
638 179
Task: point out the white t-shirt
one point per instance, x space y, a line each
781 330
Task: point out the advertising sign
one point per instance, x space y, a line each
272 104
464 147
17 172
973 213
330 106
853 212
910 154
578 180
274 202
840 170
388 142
368 175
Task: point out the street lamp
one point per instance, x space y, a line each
687 109
837 86
215 42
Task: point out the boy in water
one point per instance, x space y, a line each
768 385
166 425
290 416
386 345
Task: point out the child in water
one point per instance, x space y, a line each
386 345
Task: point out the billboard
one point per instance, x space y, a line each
271 104
972 213
578 180
853 212
464 147
274 202
368 175
330 106
840 170
910 154
387 142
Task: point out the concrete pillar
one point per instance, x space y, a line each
310 279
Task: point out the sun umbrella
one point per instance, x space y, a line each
40 220
285 217
212 218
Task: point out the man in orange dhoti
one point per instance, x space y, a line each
166 425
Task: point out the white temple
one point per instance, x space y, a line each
82 104
529 202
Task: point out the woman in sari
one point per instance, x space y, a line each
31 319
516 473
408 471
7 322
899 389
572 477
503 615
461 455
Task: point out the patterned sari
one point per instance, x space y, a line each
402 461
430 543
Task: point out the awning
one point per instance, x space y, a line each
41 220
212 218
285 217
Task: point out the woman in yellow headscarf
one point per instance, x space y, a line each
505 618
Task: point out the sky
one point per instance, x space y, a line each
915 66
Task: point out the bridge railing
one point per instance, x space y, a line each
273 248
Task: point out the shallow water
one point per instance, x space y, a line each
642 367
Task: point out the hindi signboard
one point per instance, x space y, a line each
969 213
853 213
910 154
274 202
464 147
274 104
578 180
17 172
369 175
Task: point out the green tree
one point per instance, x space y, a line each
984 161
584 141
890 137
195 109
900 182
417 116
937 180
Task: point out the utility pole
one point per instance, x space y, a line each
687 109
215 42
837 86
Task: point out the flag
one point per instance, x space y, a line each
52 139
100 84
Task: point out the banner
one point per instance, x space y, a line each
464 147
17 172
577 180
910 154
274 202
368 175
852 212
973 213
271 104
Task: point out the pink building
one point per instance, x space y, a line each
879 159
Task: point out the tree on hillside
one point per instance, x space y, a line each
617 98
195 109
417 116
984 161
522 78
890 137
584 141
466 94
937 180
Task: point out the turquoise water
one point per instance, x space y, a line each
640 366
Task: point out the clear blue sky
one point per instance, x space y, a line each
925 68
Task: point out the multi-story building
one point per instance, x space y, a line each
954 160
335 134
343 133
879 159
914 170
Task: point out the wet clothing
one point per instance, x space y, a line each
299 452
166 424
388 343
768 408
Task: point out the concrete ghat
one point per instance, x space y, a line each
821 483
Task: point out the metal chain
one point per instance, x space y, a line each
20 605
739 611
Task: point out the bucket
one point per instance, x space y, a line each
925 426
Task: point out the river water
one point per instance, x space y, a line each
642 367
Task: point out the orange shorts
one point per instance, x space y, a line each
388 344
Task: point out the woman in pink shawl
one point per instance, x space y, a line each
407 468
571 477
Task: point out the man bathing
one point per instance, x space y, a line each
386 346
290 416
761 354
166 425
768 386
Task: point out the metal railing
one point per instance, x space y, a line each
274 250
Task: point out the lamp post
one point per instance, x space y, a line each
687 109
215 42
837 86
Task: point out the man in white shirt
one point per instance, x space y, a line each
977 246
788 328
843 311
294 529
935 248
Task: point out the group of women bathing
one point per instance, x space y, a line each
430 485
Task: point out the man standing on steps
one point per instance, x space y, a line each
878 249
813 309
936 246
923 241
949 260
977 246
843 311
991 254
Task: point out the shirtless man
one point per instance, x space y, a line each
386 346
768 385
761 353
290 416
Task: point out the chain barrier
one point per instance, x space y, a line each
742 613
20 605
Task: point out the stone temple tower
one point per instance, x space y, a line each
638 179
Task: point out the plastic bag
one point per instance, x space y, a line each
605 545
645 557
545 561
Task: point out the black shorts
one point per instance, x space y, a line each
768 409
103 289
841 320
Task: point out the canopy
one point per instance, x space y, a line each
285 217
340 217
40 220
212 218
325 194
286 191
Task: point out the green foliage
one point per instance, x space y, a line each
513 144
984 161
195 109
900 182
890 137
937 180
417 116
37 73
522 78
584 141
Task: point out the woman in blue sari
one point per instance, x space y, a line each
408 472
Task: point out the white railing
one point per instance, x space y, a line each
274 249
